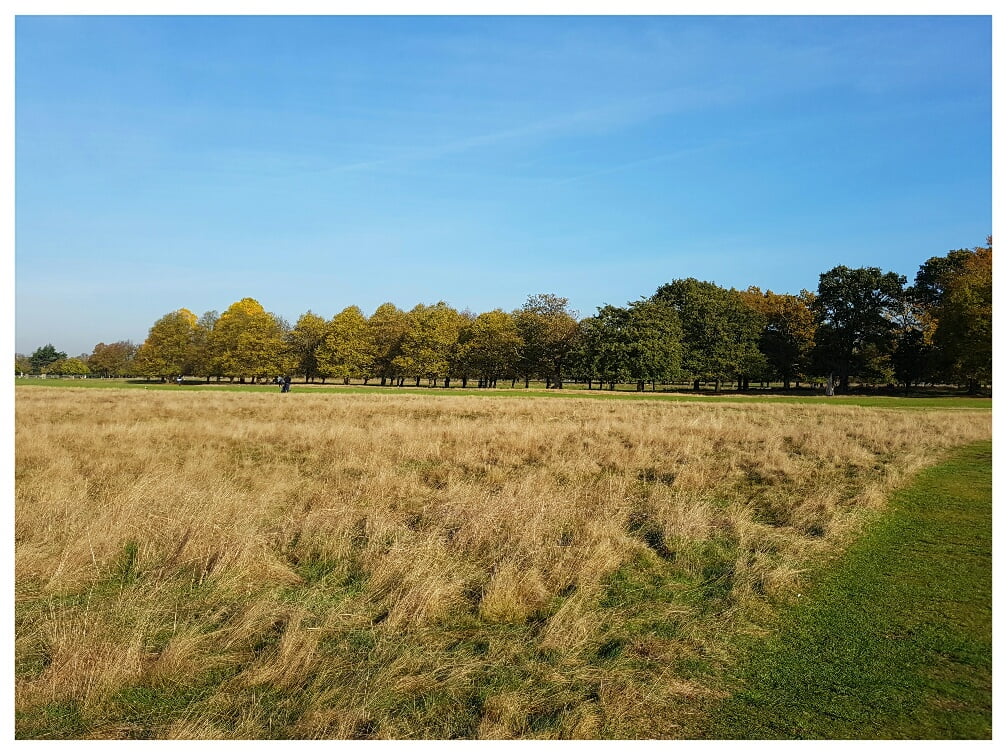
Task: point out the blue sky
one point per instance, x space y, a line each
319 162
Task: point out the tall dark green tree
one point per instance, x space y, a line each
603 350
857 311
44 356
720 333
653 339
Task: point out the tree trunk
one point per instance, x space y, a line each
696 384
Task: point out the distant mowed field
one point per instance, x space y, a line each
199 564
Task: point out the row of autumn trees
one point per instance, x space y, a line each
861 324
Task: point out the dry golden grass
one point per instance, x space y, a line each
249 565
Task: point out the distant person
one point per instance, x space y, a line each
179 380
286 384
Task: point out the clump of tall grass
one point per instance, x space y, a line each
207 565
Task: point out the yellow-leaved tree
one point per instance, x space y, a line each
247 341
428 344
168 349
347 350
388 327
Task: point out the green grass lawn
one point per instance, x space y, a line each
573 390
893 641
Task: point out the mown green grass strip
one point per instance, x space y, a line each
884 402
894 640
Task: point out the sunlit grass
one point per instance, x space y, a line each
895 640
197 564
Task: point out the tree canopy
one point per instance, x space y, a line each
43 357
720 333
856 310
168 348
862 323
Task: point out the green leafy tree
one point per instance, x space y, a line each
347 350
202 359
43 357
68 366
429 343
639 343
458 363
549 331
856 312
877 366
490 346
609 337
653 338
388 325
112 360
584 357
167 350
720 333
304 341
22 364
249 342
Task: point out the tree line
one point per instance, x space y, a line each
862 324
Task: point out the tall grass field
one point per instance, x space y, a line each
210 564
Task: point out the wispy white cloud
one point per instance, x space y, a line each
598 119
